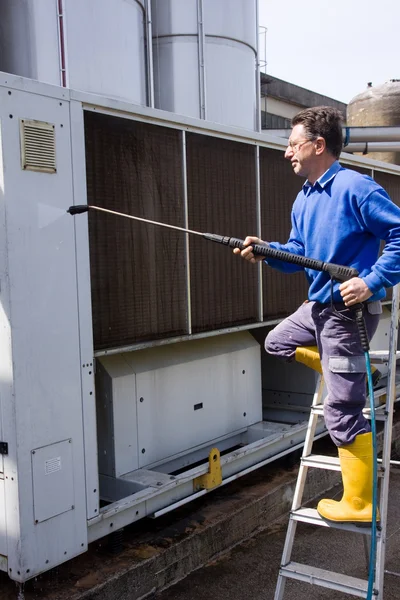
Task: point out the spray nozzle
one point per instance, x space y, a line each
78 209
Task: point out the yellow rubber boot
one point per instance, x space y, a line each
309 356
356 504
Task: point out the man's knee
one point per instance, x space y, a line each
270 343
276 344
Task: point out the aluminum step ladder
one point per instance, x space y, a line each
337 581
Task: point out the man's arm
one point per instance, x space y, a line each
382 218
247 253
294 245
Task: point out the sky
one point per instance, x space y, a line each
332 47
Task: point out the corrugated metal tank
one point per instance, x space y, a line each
377 106
101 42
205 54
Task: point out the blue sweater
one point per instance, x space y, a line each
341 219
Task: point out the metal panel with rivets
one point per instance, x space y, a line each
40 384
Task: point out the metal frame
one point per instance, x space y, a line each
186 225
87 361
387 442
187 124
119 108
259 233
179 490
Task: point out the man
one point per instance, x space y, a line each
339 216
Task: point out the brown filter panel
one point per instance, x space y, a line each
138 276
391 183
358 169
282 293
221 180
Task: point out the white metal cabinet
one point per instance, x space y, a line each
40 387
158 403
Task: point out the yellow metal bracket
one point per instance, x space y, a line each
213 478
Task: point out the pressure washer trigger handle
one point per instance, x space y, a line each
340 272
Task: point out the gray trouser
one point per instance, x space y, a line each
342 359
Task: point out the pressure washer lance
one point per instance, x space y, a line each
337 272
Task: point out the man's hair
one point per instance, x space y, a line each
323 121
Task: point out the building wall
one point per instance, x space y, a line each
281 100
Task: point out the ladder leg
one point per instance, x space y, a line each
287 551
308 443
299 489
366 551
387 443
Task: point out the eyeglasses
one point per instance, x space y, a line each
296 146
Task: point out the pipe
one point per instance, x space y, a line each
258 78
355 134
62 43
372 134
201 59
149 53
366 147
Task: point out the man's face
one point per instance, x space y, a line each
301 151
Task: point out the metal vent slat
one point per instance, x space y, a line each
38 148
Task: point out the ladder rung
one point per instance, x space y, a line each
318 409
328 579
332 463
381 356
321 462
310 515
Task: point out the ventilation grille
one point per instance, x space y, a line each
390 183
221 183
38 147
138 271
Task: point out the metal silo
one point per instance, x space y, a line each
97 46
205 59
377 106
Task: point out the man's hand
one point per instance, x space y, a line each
247 253
354 291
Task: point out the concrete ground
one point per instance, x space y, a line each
226 545
250 570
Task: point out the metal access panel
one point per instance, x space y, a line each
170 400
41 369
53 480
